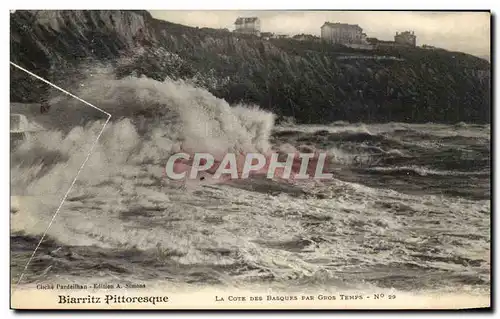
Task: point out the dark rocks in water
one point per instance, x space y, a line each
262 184
307 81
286 133
355 137
322 133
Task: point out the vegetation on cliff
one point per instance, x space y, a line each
312 81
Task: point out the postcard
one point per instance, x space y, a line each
250 159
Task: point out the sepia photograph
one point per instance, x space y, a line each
285 159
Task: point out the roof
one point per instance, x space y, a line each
242 20
341 25
404 36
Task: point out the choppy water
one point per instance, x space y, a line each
408 207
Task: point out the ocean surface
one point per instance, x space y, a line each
408 207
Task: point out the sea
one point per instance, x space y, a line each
408 207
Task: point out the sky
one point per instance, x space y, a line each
456 31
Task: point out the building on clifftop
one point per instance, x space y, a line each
342 33
247 25
406 37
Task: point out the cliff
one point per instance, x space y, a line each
312 81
